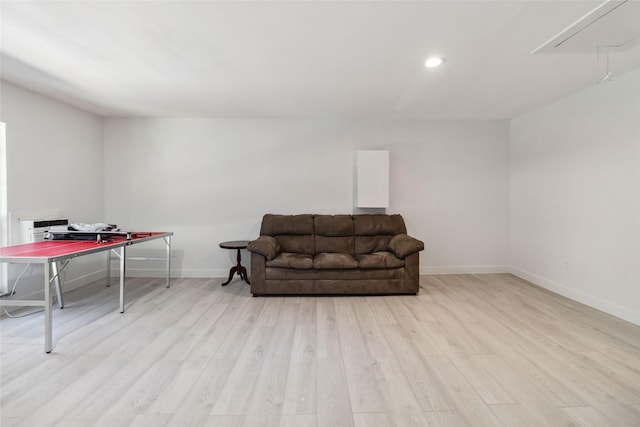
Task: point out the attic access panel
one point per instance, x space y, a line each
614 25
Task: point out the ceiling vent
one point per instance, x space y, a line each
614 25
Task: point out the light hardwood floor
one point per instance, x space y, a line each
469 350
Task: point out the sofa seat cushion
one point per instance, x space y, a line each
292 260
379 260
334 260
272 273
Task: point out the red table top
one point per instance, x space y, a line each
51 250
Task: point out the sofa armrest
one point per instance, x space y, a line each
258 274
266 246
402 245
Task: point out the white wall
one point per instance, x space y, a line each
554 196
54 162
575 196
210 180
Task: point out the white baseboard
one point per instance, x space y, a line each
68 285
465 269
608 307
222 273
84 280
160 272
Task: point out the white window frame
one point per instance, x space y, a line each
4 211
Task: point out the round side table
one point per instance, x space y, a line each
238 268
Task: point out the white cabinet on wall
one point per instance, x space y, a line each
372 179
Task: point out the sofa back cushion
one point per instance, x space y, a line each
333 225
294 233
350 234
371 244
373 232
374 225
273 225
334 234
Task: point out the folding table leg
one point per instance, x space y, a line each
109 268
56 281
48 328
123 259
167 240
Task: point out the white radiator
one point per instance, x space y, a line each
33 230
27 231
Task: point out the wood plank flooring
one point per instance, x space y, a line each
469 350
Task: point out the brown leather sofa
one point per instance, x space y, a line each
334 254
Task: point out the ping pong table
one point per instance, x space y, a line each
50 252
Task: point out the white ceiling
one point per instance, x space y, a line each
329 59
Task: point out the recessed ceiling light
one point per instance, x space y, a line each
433 61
